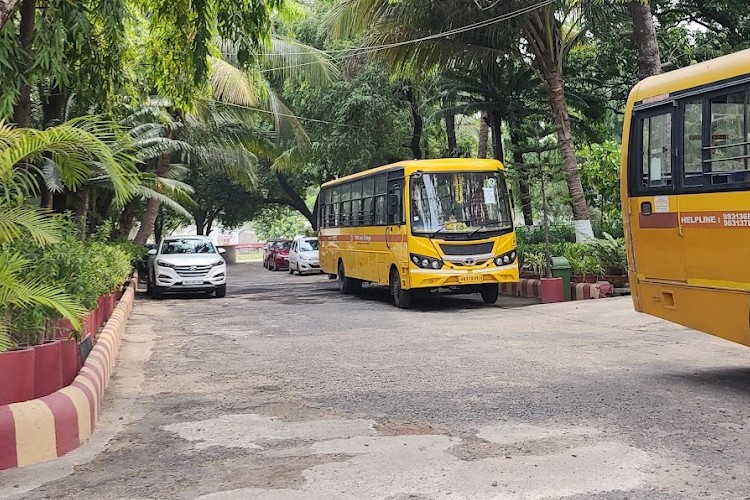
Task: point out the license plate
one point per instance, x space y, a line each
192 282
470 278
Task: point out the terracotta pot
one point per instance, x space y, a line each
551 290
47 368
17 376
617 280
71 361
589 278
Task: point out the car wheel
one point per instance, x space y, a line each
221 291
157 292
291 270
347 285
490 293
402 298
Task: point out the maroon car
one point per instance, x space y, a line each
278 255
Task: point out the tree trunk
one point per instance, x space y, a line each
484 132
450 131
524 191
159 224
496 125
22 113
556 93
53 109
126 221
200 222
644 35
295 200
416 136
82 198
7 7
152 205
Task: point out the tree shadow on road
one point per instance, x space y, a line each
734 379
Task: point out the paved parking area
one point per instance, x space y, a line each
286 390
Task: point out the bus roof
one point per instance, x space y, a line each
697 75
436 165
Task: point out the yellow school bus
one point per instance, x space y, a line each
419 225
686 196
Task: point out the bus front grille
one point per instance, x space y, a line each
475 249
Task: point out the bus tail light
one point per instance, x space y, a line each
426 262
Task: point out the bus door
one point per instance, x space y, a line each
395 230
653 205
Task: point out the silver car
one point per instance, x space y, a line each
186 264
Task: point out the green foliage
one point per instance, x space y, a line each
279 222
79 271
596 257
558 233
369 127
611 254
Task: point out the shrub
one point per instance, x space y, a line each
84 269
611 254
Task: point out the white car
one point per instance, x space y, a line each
186 264
303 256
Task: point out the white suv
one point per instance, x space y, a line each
186 264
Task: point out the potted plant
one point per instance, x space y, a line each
612 259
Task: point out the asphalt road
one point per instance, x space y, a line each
286 390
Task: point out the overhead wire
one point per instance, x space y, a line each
453 31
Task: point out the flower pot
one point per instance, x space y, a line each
47 368
17 376
617 280
588 278
71 361
551 290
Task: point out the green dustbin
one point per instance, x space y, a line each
561 269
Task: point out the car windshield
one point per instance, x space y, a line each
282 245
459 202
308 245
187 246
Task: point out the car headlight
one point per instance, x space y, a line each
426 262
506 258
217 263
163 263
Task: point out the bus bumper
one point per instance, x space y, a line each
430 278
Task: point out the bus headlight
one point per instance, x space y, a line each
426 262
506 258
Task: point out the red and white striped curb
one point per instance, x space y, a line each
43 429
578 291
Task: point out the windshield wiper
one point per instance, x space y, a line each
485 226
444 225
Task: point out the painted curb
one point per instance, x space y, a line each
578 291
46 428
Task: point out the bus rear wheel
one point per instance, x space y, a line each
347 286
402 298
490 293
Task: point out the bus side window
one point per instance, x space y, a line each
656 151
692 143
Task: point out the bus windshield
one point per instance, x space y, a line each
459 203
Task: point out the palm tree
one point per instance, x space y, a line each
540 35
76 150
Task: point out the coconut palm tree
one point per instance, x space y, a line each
466 35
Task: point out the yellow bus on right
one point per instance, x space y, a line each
686 196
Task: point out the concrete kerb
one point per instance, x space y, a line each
43 429
579 291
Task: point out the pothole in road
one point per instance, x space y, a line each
555 462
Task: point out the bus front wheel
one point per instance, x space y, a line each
347 286
490 293
401 297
